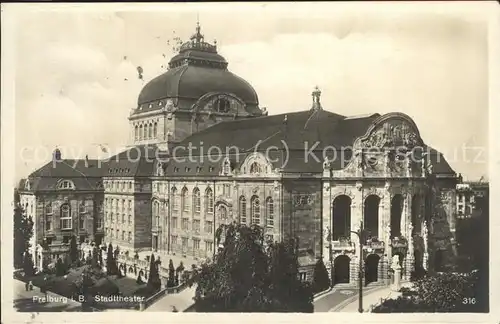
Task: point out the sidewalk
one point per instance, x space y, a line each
370 300
180 301
34 300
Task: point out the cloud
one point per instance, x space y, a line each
75 86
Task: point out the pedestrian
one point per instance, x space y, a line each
26 285
31 285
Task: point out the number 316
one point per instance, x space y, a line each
469 301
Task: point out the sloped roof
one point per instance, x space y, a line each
85 174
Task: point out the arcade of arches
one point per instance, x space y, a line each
390 225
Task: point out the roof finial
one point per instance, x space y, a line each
316 94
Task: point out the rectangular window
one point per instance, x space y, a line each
66 223
123 235
48 209
174 222
130 237
82 222
196 244
123 218
196 225
208 246
184 243
111 217
185 224
82 239
117 234
99 221
208 227
48 223
174 240
130 219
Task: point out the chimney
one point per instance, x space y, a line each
316 94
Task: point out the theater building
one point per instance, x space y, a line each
203 154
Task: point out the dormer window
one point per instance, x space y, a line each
160 103
66 185
222 105
27 185
150 106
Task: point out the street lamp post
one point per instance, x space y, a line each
359 233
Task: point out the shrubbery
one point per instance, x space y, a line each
446 292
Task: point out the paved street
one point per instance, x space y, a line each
331 300
180 301
370 300
33 301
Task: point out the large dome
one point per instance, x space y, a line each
195 71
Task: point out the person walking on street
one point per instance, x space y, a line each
27 285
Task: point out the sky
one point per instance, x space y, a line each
76 68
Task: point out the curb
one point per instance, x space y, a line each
322 293
349 300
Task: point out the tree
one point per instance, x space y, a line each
84 286
154 281
111 267
246 277
321 279
171 274
73 250
23 231
60 268
28 265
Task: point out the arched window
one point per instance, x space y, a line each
145 132
196 200
65 217
150 136
141 136
156 213
255 168
209 201
136 133
155 130
243 209
255 212
184 200
175 205
223 105
269 212
341 218
66 185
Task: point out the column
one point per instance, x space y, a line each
327 227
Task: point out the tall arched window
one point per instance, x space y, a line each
150 136
255 211
136 134
156 213
184 200
209 201
243 209
269 212
196 200
175 205
155 130
141 135
145 135
66 220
